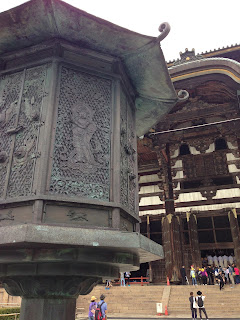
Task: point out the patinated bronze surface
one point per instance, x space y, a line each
72 87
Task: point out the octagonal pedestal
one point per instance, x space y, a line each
48 309
48 297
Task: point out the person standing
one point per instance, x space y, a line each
193 276
237 276
210 273
183 275
122 280
92 308
193 306
230 274
204 276
103 307
226 272
221 280
200 304
127 276
199 275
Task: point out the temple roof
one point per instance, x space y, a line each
208 67
231 52
39 20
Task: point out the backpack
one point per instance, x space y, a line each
98 312
200 302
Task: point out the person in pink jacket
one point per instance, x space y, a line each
204 276
237 277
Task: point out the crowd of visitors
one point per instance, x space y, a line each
212 274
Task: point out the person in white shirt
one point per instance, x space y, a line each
127 276
215 259
122 279
225 261
200 304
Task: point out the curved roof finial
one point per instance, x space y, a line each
183 95
164 28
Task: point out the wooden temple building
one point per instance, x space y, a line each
189 166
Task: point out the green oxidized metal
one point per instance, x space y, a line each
75 91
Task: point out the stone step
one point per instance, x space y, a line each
141 300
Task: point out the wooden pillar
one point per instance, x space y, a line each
232 216
172 246
170 223
149 236
193 239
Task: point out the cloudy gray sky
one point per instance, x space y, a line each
201 24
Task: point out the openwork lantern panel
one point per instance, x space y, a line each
21 106
81 159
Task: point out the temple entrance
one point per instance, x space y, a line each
142 272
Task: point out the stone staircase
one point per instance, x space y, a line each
218 304
133 300
140 301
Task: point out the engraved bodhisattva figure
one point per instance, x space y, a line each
7 114
83 128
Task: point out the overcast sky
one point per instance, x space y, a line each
201 24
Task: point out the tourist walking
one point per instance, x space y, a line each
127 276
230 274
183 275
226 272
102 305
200 304
210 273
193 276
193 306
237 276
221 280
199 275
92 308
204 276
122 279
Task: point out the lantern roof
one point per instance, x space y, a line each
39 20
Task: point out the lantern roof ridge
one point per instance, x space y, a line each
37 21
